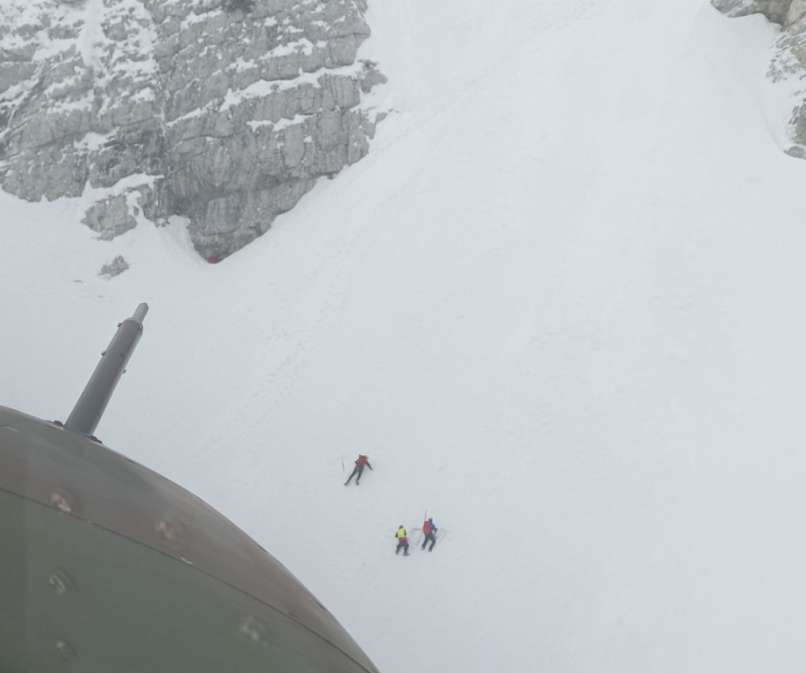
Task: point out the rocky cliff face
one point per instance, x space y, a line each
788 65
224 111
784 12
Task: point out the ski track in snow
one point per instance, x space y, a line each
557 308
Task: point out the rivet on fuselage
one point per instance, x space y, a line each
60 581
253 628
170 532
61 501
166 530
65 650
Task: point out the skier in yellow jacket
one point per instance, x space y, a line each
402 540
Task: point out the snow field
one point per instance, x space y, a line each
559 310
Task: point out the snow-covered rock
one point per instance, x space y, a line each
114 268
784 12
788 66
225 111
774 10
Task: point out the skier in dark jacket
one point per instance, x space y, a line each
358 470
402 540
429 533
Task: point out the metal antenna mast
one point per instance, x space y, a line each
91 405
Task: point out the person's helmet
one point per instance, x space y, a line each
400 526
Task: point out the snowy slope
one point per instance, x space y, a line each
561 313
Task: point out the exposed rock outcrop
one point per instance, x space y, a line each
114 268
777 11
224 111
788 65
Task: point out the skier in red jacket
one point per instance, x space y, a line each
358 470
429 533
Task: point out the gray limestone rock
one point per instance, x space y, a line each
223 111
114 268
788 63
371 76
110 217
783 12
774 10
